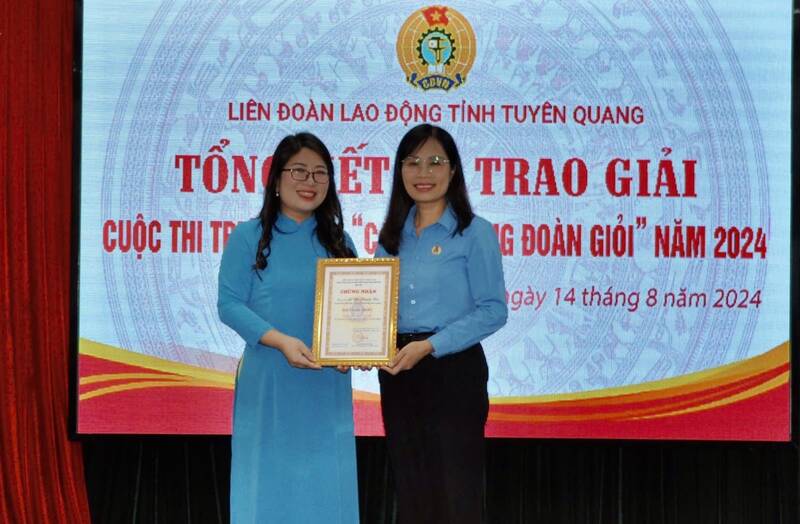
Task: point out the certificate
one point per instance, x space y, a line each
355 312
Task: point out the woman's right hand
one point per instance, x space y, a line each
297 354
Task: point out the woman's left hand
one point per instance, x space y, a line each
408 357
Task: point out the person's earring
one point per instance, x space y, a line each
277 193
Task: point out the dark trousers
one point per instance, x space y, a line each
434 416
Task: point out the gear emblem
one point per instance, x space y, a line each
436 48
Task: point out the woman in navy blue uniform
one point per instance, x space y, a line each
452 295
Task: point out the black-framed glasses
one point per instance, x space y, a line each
301 174
433 164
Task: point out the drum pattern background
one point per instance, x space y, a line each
676 60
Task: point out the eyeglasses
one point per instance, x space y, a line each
433 164
301 174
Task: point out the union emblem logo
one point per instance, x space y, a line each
436 48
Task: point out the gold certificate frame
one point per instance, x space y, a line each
355 311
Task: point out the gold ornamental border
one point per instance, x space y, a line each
319 296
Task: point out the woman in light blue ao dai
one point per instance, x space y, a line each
293 450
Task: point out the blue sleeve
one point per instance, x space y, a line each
488 289
236 276
350 244
380 252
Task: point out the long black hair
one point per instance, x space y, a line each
330 225
400 201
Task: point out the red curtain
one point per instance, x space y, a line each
41 471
